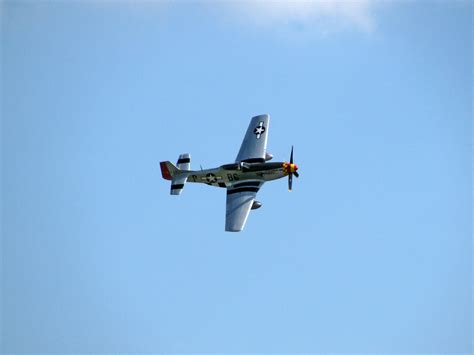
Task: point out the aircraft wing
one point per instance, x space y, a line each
254 145
240 198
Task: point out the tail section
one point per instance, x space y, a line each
178 175
168 170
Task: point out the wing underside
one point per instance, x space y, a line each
240 198
254 145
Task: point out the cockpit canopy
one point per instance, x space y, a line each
236 166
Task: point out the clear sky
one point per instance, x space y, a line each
372 250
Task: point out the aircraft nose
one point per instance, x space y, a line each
296 167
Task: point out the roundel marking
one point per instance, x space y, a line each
259 130
211 178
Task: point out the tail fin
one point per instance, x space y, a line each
184 162
177 176
168 170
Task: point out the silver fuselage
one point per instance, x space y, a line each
230 174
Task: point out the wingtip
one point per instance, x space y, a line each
262 116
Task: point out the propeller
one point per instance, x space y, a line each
292 170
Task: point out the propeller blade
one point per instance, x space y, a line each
290 181
291 155
296 174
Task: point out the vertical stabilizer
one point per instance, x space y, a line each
168 170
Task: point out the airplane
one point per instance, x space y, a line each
242 179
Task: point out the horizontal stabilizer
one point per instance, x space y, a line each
177 184
184 162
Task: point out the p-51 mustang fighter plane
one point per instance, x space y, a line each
242 179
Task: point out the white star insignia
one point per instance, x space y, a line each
258 131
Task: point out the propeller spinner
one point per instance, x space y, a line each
291 169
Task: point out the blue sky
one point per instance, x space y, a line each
371 252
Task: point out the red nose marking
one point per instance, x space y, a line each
296 167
